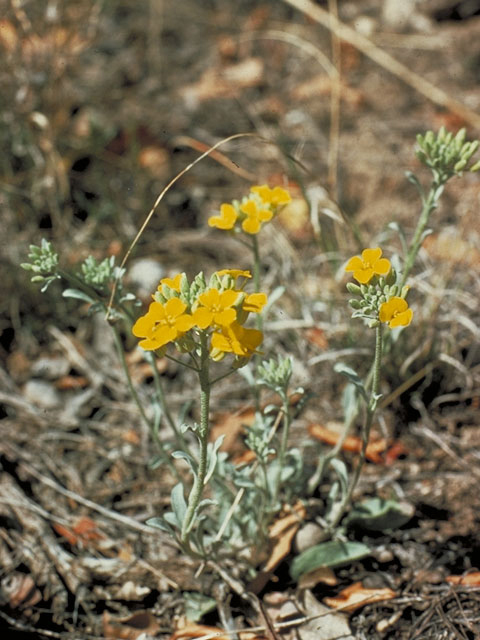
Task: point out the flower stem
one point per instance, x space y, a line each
162 401
283 447
429 205
344 504
256 276
199 481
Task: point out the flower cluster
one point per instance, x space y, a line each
258 207
381 300
181 311
445 154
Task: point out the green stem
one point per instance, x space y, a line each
121 354
370 413
199 481
283 448
429 205
162 401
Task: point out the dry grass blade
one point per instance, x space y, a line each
385 60
161 196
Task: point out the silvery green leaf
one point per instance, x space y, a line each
340 469
350 403
160 523
79 295
171 518
197 605
333 553
377 514
182 455
212 457
352 375
179 505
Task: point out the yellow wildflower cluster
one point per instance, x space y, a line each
253 211
380 298
181 311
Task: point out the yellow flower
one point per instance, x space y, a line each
254 302
235 273
237 340
368 265
162 323
255 216
276 196
173 283
216 308
396 312
227 218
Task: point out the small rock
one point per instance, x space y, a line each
50 367
42 393
145 274
307 536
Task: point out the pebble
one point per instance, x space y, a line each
42 394
308 535
50 367
145 274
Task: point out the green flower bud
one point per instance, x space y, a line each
353 288
355 304
460 137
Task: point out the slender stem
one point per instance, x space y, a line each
162 401
429 205
121 354
283 447
369 415
182 362
199 481
131 388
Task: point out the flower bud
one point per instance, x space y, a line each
353 288
355 304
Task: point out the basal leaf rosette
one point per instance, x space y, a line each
252 212
182 312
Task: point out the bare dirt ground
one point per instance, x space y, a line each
102 103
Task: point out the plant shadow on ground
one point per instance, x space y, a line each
102 105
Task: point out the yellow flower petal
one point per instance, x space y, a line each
173 283
227 218
371 255
401 319
226 317
255 302
203 317
382 266
251 225
354 264
228 297
364 275
174 307
396 312
235 273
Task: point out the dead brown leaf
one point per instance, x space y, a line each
351 443
470 579
323 575
356 596
141 622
